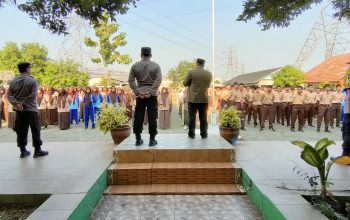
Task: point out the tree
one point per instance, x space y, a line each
51 14
63 74
108 43
272 13
288 75
11 55
177 74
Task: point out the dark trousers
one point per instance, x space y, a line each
89 113
250 111
335 114
309 113
73 115
277 108
241 108
286 112
24 120
324 112
152 113
346 134
267 113
202 109
257 109
297 112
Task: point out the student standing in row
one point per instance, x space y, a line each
336 107
164 109
74 105
63 103
298 109
267 100
309 105
324 107
89 111
42 105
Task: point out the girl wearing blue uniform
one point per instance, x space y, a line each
113 98
98 100
73 107
89 100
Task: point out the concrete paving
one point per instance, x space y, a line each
62 174
270 165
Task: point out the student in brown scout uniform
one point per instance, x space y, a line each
267 100
309 105
324 108
239 100
277 105
286 105
336 106
226 97
257 106
298 109
250 96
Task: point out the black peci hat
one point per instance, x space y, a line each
146 51
200 61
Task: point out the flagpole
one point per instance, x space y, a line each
213 118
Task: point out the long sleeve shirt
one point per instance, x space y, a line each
23 90
148 76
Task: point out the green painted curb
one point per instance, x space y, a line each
91 199
264 205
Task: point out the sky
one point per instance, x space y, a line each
181 30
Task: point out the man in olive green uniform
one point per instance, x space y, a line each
198 81
324 107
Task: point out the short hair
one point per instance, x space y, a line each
146 51
287 85
235 83
338 85
327 85
300 87
269 86
241 84
22 66
310 86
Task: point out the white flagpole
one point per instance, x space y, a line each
213 115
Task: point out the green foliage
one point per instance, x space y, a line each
272 13
288 75
51 14
11 55
229 117
316 156
112 117
327 210
178 74
108 42
63 74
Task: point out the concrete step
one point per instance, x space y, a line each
176 189
174 173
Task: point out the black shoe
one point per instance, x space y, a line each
152 143
24 154
292 129
332 127
242 128
139 142
261 129
191 136
40 153
272 129
328 131
301 130
312 126
204 136
318 130
255 125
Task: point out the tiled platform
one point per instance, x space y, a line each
175 148
67 174
270 166
177 207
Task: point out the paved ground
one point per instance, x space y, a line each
78 133
175 207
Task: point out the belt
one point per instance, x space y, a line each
267 104
297 104
324 105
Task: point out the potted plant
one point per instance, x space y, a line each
229 124
114 119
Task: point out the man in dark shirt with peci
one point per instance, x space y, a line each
22 95
149 77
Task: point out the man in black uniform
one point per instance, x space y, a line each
22 95
149 77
